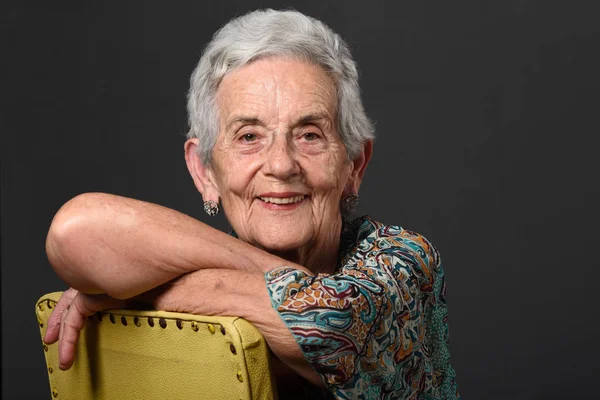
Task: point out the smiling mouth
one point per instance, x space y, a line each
283 200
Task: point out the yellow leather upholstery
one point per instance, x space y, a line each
140 355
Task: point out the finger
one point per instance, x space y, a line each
72 323
53 328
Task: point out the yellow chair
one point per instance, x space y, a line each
145 355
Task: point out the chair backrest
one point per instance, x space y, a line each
133 355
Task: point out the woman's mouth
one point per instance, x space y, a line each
282 200
281 203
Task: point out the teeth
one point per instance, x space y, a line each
282 200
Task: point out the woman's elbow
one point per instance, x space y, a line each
65 243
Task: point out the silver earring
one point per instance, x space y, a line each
211 208
349 203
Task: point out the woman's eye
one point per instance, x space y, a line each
310 136
248 137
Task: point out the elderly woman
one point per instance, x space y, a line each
279 140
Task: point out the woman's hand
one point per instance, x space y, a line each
68 319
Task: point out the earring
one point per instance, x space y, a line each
211 208
349 203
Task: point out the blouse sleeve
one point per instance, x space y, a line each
363 328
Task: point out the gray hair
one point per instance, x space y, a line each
271 33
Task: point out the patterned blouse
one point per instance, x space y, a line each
377 327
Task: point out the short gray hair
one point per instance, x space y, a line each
271 33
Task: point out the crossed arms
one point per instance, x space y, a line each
118 252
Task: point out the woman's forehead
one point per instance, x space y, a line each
276 86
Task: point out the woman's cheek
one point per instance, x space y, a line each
312 148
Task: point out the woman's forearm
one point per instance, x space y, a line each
233 293
102 243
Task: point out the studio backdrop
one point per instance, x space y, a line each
487 144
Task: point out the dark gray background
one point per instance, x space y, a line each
487 124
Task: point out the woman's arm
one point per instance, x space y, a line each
102 243
233 293
224 292
129 249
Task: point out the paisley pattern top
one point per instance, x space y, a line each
377 327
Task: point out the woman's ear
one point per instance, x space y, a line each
359 166
201 173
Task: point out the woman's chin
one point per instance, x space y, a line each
282 246
286 245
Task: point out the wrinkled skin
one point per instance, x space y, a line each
278 136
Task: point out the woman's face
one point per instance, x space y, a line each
279 165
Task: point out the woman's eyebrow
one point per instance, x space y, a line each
312 118
305 119
243 120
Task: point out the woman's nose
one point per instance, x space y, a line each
281 159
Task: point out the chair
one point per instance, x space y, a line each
139 355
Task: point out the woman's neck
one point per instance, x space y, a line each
319 256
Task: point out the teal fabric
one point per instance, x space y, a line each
377 327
